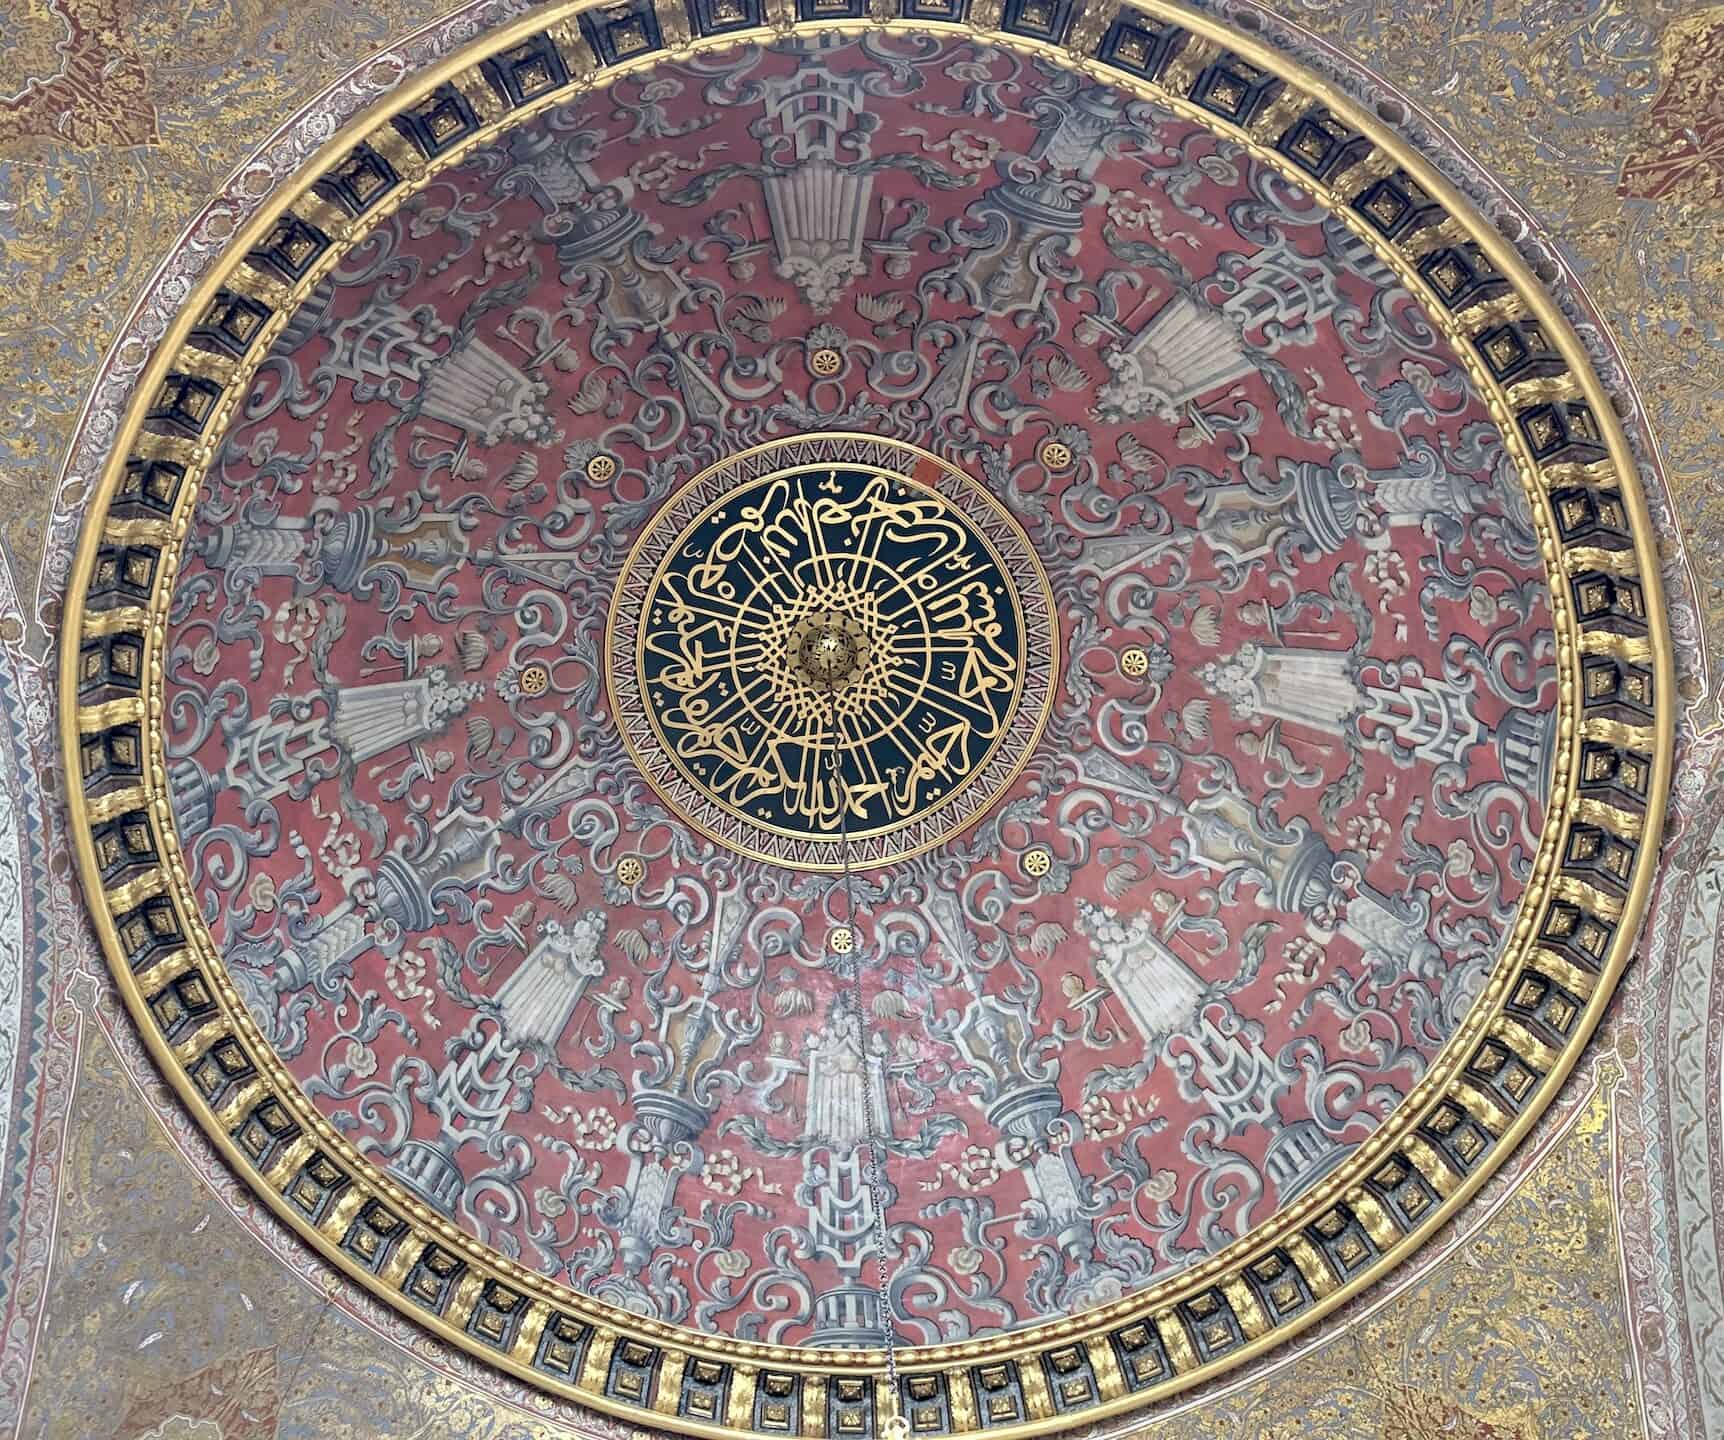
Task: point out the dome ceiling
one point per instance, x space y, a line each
872 583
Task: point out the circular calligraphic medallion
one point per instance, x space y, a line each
832 593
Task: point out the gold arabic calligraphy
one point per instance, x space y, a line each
931 637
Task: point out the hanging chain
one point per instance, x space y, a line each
894 1426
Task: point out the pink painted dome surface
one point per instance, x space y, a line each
1260 850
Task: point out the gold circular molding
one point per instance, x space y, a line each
1057 455
732 681
1586 890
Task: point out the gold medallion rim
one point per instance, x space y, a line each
888 854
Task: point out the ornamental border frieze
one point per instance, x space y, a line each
1554 976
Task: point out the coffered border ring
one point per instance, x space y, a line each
1556 972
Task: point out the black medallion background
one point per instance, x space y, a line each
933 622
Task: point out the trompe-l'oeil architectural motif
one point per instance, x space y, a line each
1034 596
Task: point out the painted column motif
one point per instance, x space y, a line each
817 195
484 1081
835 1189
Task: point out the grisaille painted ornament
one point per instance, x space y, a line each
1070 454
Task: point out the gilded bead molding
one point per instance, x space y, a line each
1577 922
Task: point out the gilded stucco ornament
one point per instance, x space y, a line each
180 744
